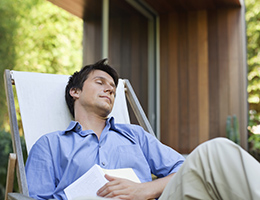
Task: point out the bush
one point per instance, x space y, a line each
254 145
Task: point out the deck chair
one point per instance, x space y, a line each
43 109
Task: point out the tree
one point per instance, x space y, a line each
253 56
8 28
37 36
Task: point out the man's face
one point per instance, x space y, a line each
98 93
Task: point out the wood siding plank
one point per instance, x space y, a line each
243 104
183 84
223 55
193 95
173 125
92 41
164 84
237 73
214 107
203 77
233 63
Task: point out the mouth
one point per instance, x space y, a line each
106 97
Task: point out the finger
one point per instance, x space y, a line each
102 191
111 189
110 178
108 188
106 192
112 181
118 194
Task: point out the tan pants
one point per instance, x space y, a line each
217 169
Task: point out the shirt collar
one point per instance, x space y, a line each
76 127
110 125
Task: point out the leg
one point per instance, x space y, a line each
217 169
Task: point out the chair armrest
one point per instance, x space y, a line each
18 196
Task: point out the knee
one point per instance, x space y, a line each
220 141
219 144
215 143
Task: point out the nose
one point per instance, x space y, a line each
109 89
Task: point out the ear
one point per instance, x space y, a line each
74 92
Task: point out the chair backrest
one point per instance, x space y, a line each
43 109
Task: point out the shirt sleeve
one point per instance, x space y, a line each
39 171
162 159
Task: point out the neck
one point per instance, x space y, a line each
91 122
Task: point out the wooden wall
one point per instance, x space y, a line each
128 51
203 75
92 33
128 45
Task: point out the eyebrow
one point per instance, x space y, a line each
103 78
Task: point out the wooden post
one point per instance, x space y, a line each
10 174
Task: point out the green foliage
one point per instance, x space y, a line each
253 60
232 129
253 55
37 36
51 41
254 145
5 149
255 139
8 28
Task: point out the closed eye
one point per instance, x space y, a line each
99 82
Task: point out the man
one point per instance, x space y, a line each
58 159
217 169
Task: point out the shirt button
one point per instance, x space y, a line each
103 164
99 146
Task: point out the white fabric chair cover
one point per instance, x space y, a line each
43 108
120 111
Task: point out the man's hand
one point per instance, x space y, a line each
119 188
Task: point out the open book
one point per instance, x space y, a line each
89 183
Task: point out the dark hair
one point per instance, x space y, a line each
78 78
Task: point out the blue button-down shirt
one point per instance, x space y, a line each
58 159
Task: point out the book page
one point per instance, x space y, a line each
90 182
127 173
87 185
